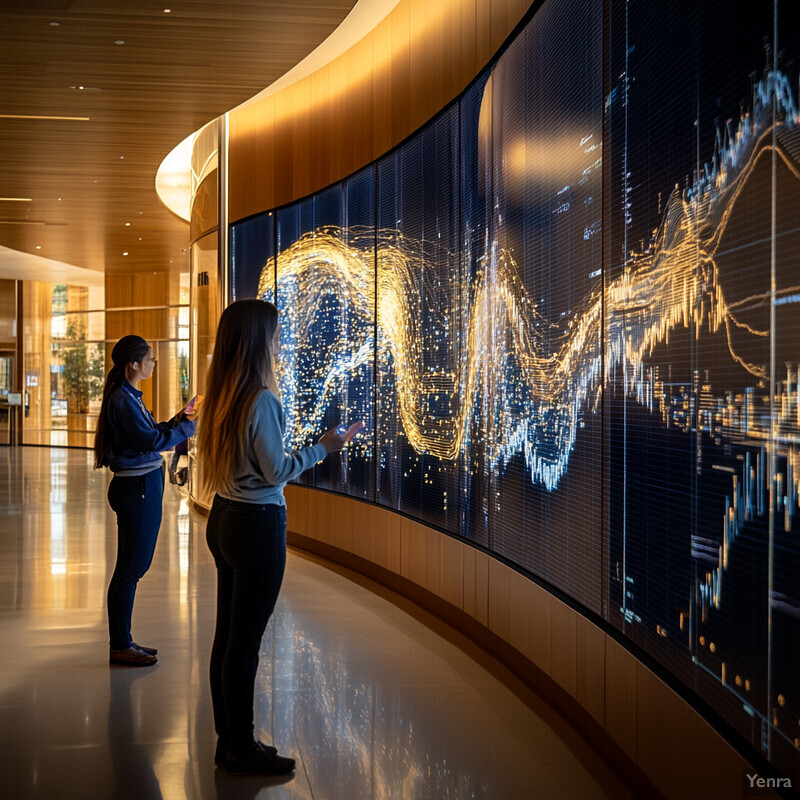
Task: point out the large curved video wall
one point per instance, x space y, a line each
566 310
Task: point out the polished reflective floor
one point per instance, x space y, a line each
370 699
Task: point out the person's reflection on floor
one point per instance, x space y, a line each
133 766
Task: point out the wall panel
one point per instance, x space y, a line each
395 79
361 529
412 551
483 29
36 334
322 99
326 518
591 668
382 89
337 131
621 719
520 629
505 14
400 95
357 110
134 292
301 138
385 539
283 167
426 60
251 164
451 575
343 537
482 562
8 314
564 647
457 58
679 756
433 561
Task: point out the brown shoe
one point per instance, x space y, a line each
151 651
131 657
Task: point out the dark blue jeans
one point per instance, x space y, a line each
137 504
248 542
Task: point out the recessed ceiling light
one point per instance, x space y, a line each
121 157
167 10
59 199
125 253
119 41
54 24
140 238
38 247
127 224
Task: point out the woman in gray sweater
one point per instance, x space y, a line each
241 444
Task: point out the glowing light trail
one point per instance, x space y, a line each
531 378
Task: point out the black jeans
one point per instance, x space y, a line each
248 543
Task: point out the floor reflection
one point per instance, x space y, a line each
370 702
131 760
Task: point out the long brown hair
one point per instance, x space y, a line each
243 364
128 350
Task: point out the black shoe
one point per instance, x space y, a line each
259 761
221 753
131 657
151 651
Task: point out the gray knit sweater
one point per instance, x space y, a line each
267 467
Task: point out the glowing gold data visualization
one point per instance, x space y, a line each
556 372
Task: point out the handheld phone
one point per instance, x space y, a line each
342 428
193 403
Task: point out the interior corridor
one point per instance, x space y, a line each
372 697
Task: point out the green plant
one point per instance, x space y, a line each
183 376
84 370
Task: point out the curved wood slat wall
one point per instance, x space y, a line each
643 729
362 104
317 132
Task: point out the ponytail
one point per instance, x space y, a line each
128 350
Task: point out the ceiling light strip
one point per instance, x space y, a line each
41 116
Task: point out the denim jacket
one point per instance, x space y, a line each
134 440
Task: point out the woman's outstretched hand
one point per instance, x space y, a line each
192 409
337 438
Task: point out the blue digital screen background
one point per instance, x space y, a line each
326 299
420 312
566 310
252 247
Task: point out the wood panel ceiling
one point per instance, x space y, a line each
176 71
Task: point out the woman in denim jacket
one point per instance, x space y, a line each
129 441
